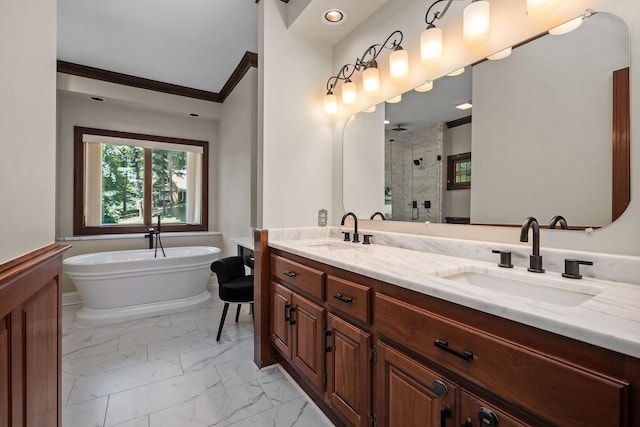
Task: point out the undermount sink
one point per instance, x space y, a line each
333 245
539 287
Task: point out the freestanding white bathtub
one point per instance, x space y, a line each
126 285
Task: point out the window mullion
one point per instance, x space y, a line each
148 178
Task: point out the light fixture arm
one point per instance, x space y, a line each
438 14
373 51
345 74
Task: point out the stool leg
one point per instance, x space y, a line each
238 313
224 315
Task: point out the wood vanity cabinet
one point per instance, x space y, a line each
30 346
394 357
298 323
410 394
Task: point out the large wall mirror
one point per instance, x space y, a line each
541 136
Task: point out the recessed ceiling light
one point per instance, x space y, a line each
395 99
95 98
456 72
425 87
464 106
194 114
333 16
567 27
500 54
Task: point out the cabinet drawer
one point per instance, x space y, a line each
545 386
300 276
350 298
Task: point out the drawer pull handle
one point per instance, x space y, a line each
340 297
289 273
286 312
443 345
291 320
444 414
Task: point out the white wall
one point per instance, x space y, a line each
296 149
236 162
79 110
27 126
511 26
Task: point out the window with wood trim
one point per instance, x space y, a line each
459 171
123 181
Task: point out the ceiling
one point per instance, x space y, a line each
191 43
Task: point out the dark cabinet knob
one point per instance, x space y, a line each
572 268
505 258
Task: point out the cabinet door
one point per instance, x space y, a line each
348 371
475 412
280 318
40 317
307 353
4 373
411 395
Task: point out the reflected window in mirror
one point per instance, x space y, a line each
459 171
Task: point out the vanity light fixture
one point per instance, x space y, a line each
476 21
425 87
455 73
431 38
500 54
464 106
541 7
399 69
349 92
330 103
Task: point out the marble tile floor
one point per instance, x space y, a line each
170 371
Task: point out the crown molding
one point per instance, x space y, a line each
249 60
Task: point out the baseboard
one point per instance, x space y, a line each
71 298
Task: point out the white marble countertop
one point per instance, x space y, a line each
245 242
605 313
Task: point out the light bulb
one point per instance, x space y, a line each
371 81
476 21
398 64
541 7
330 103
430 44
349 93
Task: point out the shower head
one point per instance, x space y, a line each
417 162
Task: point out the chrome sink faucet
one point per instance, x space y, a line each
356 238
535 260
